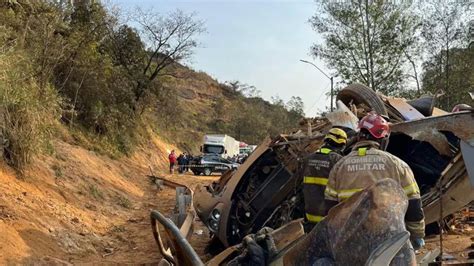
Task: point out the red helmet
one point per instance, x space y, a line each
375 124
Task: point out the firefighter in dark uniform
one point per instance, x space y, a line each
317 167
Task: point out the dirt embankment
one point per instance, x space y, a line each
80 207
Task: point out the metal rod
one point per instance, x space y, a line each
441 223
324 73
327 76
332 95
190 255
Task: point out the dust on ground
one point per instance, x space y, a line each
132 241
456 245
77 206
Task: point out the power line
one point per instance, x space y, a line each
317 99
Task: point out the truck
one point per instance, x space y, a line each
246 148
220 144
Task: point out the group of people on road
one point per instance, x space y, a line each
240 158
330 177
182 162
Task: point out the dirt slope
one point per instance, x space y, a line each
80 207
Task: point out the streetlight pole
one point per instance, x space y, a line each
331 78
332 93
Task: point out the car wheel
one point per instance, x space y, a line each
361 94
196 173
207 171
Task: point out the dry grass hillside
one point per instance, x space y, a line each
195 95
80 207
201 104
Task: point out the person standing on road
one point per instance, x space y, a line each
366 164
172 159
316 170
181 163
185 162
189 159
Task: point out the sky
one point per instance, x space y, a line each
257 42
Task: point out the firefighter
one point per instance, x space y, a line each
367 163
316 172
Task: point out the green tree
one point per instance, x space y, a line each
365 40
443 29
243 89
461 76
250 125
296 106
221 118
29 106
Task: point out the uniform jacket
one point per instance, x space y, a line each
364 166
317 167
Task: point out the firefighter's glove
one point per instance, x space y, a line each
418 243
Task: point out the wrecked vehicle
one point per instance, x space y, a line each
266 190
371 223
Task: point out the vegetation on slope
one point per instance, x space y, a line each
108 83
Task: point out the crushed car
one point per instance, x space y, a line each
265 191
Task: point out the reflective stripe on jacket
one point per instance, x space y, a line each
317 167
364 166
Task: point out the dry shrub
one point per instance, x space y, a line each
28 112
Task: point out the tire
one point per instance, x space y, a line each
361 94
196 173
207 171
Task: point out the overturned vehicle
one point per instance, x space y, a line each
266 190
244 206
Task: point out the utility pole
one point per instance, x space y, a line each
331 78
332 93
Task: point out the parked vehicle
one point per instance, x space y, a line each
223 145
211 163
246 149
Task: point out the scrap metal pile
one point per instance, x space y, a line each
266 190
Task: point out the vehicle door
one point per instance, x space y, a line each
212 162
224 165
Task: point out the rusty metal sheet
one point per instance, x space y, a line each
287 234
438 112
429 129
224 256
407 111
435 138
175 249
459 194
457 188
468 156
